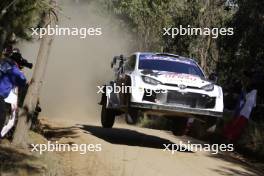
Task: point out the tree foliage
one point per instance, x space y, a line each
229 56
17 17
147 18
245 49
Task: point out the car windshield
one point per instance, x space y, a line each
170 64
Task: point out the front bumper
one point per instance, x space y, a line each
188 100
169 109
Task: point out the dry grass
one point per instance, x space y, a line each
252 140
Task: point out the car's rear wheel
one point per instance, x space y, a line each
132 116
107 116
200 128
179 125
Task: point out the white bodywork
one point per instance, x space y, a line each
139 85
175 83
11 99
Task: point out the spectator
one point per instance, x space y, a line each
247 101
10 77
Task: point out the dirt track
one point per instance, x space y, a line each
131 151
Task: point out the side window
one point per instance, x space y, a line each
130 63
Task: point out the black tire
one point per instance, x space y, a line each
199 129
133 116
107 116
179 125
211 121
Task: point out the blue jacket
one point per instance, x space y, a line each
10 77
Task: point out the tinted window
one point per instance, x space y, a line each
169 64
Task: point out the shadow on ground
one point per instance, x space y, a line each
14 161
129 137
55 133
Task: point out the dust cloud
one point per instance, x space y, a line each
77 66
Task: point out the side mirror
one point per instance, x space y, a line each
213 77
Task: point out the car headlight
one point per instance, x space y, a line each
149 80
208 87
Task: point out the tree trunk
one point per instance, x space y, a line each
2 40
25 113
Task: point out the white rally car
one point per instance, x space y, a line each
160 84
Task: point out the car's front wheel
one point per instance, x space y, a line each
107 116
